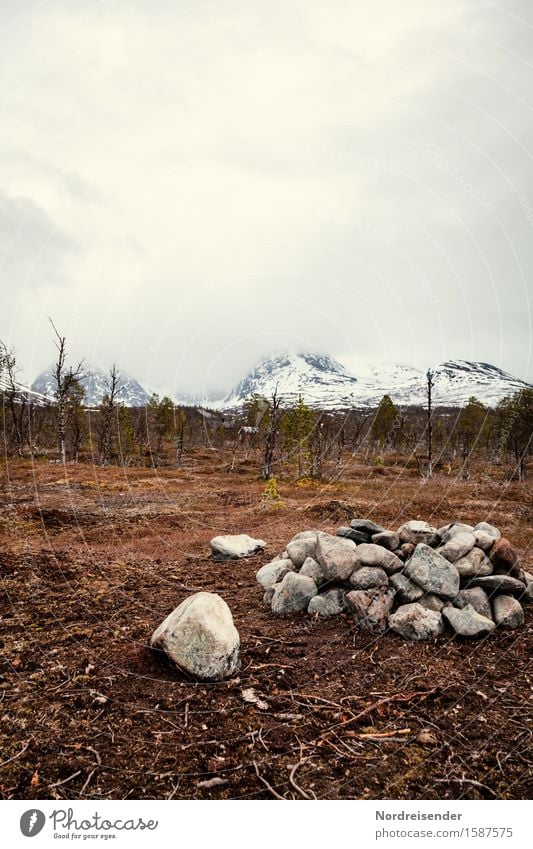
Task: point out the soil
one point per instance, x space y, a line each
92 560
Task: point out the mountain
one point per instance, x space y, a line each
95 383
325 383
22 392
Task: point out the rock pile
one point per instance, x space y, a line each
416 581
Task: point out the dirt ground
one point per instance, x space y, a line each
92 560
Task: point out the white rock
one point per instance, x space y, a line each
200 638
235 546
293 594
270 574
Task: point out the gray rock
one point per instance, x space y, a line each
200 638
299 550
388 539
235 547
493 584
508 612
313 570
304 535
367 526
370 608
448 531
476 597
330 603
474 564
415 622
467 622
273 572
433 602
491 530
368 554
432 572
355 536
484 541
336 556
415 532
527 597
406 590
368 577
457 546
268 596
293 594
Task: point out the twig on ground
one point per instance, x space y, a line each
269 787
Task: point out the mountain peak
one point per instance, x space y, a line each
94 380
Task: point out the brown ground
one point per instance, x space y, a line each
93 560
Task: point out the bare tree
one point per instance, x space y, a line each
107 412
430 385
65 380
271 435
17 401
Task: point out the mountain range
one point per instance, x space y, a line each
95 383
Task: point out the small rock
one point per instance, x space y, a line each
268 596
457 546
293 594
368 554
336 556
370 608
499 584
433 602
273 572
476 597
504 558
368 577
407 591
407 549
416 532
388 539
235 547
484 541
432 572
367 526
448 531
313 570
473 564
488 529
199 637
467 622
355 536
299 550
330 603
414 622
427 738
508 612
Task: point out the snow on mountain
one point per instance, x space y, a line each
95 382
324 383
22 391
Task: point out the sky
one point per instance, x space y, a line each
186 187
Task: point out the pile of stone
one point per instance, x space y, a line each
416 581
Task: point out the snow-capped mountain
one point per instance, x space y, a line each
95 382
22 392
324 383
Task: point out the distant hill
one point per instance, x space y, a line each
94 381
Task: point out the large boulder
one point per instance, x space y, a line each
370 608
273 572
200 638
336 556
474 564
293 594
508 612
504 558
330 603
300 549
235 546
406 590
432 572
415 532
457 546
467 622
369 554
476 597
388 539
415 622
368 577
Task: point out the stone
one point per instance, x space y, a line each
388 539
293 594
367 526
476 597
370 608
407 549
267 598
508 612
336 556
330 603
448 531
473 564
432 572
433 602
488 529
368 577
355 536
416 532
493 584
313 570
457 546
504 558
273 572
304 535
484 541
406 590
368 554
200 638
467 622
299 550
527 597
415 622
235 547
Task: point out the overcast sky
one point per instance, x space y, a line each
186 186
